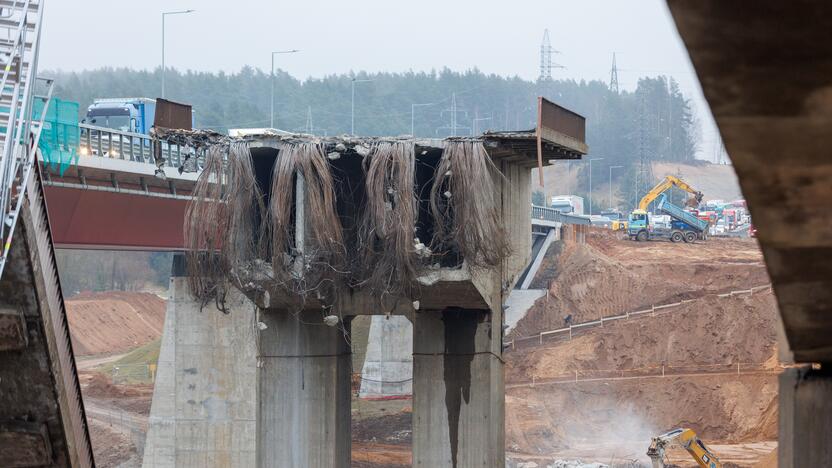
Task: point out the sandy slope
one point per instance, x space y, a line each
114 322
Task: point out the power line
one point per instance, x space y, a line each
614 76
454 126
546 64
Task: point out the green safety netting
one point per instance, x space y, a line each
60 135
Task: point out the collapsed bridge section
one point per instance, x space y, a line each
315 231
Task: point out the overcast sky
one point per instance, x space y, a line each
337 36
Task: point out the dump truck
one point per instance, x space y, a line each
684 226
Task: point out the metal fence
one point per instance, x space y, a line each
133 373
568 332
657 371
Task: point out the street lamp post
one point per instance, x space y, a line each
610 183
590 182
352 105
476 124
413 116
165 13
271 107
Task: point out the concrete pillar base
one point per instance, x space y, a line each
805 414
303 379
203 409
458 385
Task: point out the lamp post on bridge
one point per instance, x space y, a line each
476 124
352 105
413 116
590 182
271 101
610 183
165 13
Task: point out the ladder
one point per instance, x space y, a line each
20 28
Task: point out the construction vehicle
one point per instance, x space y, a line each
688 440
618 223
684 226
572 204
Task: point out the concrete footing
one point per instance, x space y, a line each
203 409
458 403
805 414
303 379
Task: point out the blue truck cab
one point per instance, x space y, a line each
123 114
638 225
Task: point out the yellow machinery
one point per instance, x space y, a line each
686 439
619 225
661 187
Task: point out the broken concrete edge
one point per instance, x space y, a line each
555 145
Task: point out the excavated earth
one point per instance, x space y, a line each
609 276
710 364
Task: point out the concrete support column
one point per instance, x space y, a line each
458 403
203 409
388 362
805 414
303 381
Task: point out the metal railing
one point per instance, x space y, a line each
568 331
551 214
129 146
21 134
654 371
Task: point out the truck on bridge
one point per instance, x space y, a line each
133 115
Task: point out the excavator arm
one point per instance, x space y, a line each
688 440
661 187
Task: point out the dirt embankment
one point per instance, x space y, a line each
610 276
114 322
708 332
620 398
708 335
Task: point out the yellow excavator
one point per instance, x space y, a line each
688 440
684 227
661 187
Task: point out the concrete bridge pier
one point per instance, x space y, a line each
303 381
458 389
805 412
203 409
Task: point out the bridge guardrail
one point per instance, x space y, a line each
129 146
551 214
